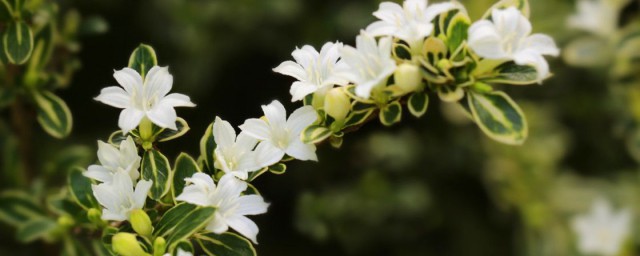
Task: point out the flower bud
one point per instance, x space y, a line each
95 216
408 77
141 223
337 104
159 246
65 221
126 244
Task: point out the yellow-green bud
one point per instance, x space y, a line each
145 128
159 246
408 77
65 221
95 216
337 104
141 223
126 244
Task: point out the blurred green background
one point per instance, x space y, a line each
429 186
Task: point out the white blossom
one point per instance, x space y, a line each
411 22
148 98
231 206
369 64
315 71
119 197
602 231
507 37
599 17
236 155
112 159
280 135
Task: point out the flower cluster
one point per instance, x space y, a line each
415 48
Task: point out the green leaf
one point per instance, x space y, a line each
450 93
207 148
522 5
44 47
357 118
512 73
335 141
156 168
116 138
185 167
80 188
17 208
168 134
182 221
226 244
391 113
314 134
278 168
457 30
143 59
418 103
35 229
499 117
53 114
18 42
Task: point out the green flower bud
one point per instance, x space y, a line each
126 244
159 246
141 223
337 104
408 77
65 221
95 216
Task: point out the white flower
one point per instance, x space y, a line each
599 17
314 71
507 37
279 135
411 22
141 99
235 154
231 207
119 198
369 65
113 160
602 231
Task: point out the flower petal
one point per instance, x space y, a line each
301 118
108 155
267 154
244 226
485 40
178 100
256 128
140 193
542 44
114 96
276 114
251 205
218 225
292 69
533 58
129 79
299 90
158 82
99 173
163 115
301 151
223 133
129 119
